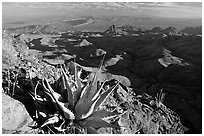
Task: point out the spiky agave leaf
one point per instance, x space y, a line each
67 113
104 96
96 94
49 96
84 110
78 83
92 87
68 87
73 94
88 91
83 95
100 99
85 106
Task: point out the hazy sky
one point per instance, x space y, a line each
144 9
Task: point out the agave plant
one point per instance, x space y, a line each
82 106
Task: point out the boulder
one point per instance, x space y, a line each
15 118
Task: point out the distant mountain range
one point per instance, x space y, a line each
125 30
101 23
193 30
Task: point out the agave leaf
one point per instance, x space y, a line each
82 99
96 123
90 110
98 92
52 120
76 75
78 91
47 91
68 88
91 130
63 81
85 109
104 96
77 94
104 114
84 90
91 88
67 113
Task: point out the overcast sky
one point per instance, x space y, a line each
141 9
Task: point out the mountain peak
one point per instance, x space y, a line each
118 30
170 30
